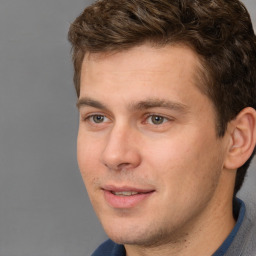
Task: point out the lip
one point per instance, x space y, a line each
125 202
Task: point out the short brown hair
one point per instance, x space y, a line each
220 31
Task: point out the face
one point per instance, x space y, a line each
147 146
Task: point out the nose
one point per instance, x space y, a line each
121 150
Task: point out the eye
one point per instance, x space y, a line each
156 119
97 119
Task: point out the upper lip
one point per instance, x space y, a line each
113 188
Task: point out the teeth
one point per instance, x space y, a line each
125 193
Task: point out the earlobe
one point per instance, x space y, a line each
242 138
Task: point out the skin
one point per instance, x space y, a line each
144 123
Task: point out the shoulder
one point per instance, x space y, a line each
249 228
244 242
109 248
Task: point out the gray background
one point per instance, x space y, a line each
44 209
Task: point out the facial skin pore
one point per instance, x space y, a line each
146 127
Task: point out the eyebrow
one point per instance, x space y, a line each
90 102
141 105
159 103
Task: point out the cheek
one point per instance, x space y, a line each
87 158
169 165
168 154
181 163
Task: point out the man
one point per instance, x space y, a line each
166 93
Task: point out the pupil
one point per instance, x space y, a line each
157 119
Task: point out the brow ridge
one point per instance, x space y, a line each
155 103
136 106
89 102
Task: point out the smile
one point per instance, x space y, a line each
126 198
124 193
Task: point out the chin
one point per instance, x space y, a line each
131 239
147 241
131 234
121 234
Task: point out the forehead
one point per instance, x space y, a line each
177 65
145 59
146 55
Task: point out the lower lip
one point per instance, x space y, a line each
125 201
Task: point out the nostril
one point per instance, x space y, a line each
119 167
124 166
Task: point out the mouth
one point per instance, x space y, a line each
125 197
125 193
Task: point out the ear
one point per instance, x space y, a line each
242 132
